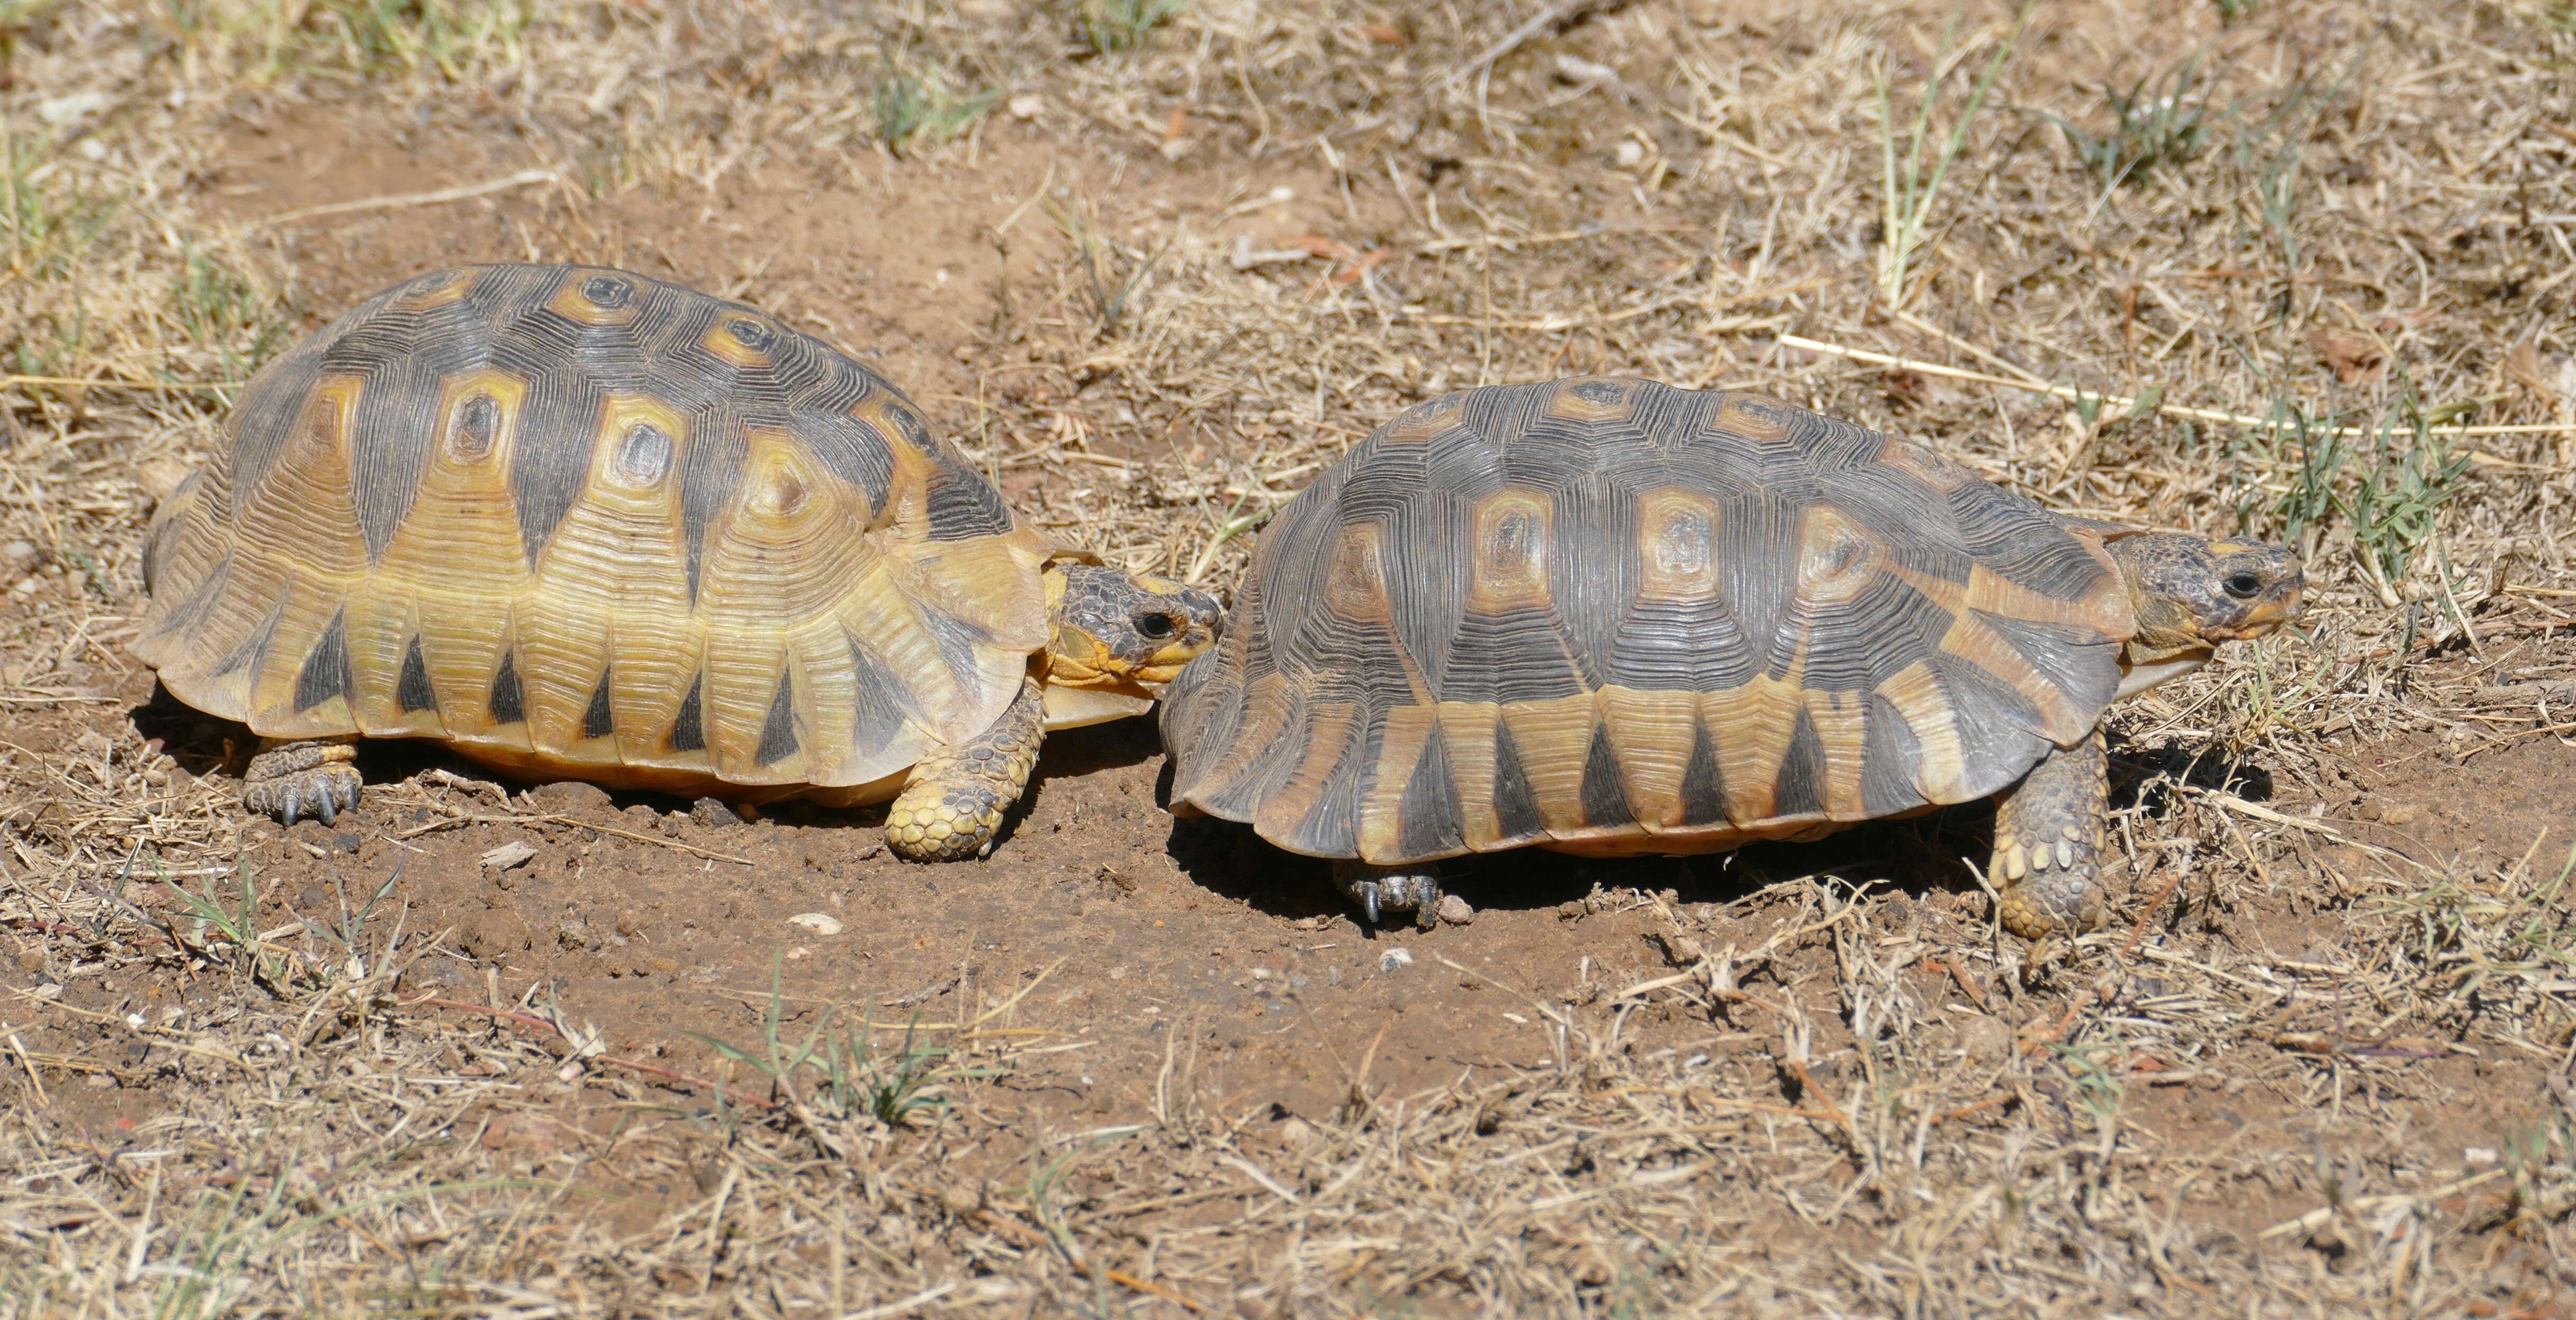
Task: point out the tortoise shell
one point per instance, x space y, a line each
1608 616
578 522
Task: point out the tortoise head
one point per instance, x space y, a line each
2191 594
1118 629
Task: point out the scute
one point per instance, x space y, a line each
581 522
1611 616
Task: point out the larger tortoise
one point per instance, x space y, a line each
579 523
1611 617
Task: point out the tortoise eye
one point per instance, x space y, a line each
1156 626
2243 585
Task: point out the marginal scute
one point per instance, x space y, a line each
1612 616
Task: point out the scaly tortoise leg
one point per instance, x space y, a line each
1393 888
288 780
956 798
2048 843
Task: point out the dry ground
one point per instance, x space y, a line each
2238 265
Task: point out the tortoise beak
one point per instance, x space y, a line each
2264 617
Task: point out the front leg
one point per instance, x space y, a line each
315 777
2048 842
955 801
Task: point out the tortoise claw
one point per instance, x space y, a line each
295 780
1384 889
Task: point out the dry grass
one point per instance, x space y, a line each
2253 1096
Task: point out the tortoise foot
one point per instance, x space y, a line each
954 805
2048 844
289 781
1414 889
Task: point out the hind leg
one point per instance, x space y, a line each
1414 889
288 780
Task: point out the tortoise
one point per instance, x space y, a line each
1612 617
575 522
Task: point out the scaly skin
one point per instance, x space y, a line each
957 796
2048 843
1413 888
292 779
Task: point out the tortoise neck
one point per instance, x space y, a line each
2143 667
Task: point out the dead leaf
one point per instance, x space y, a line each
514 853
2526 367
2355 357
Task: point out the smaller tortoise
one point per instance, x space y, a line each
578 523
1610 617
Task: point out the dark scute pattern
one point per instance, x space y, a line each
688 728
1605 793
962 504
193 610
2024 544
326 667
264 418
1428 813
251 652
412 691
1599 565
1331 826
709 474
1679 646
1757 551
165 529
778 731
2082 663
396 424
1600 392
506 704
1998 742
1799 790
1890 759
750 334
880 719
1276 762
1858 644
851 450
957 639
600 719
608 291
1515 804
1703 783
1829 444
1515 655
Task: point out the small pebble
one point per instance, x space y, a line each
821 923
1394 958
20 556
711 811
1455 910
